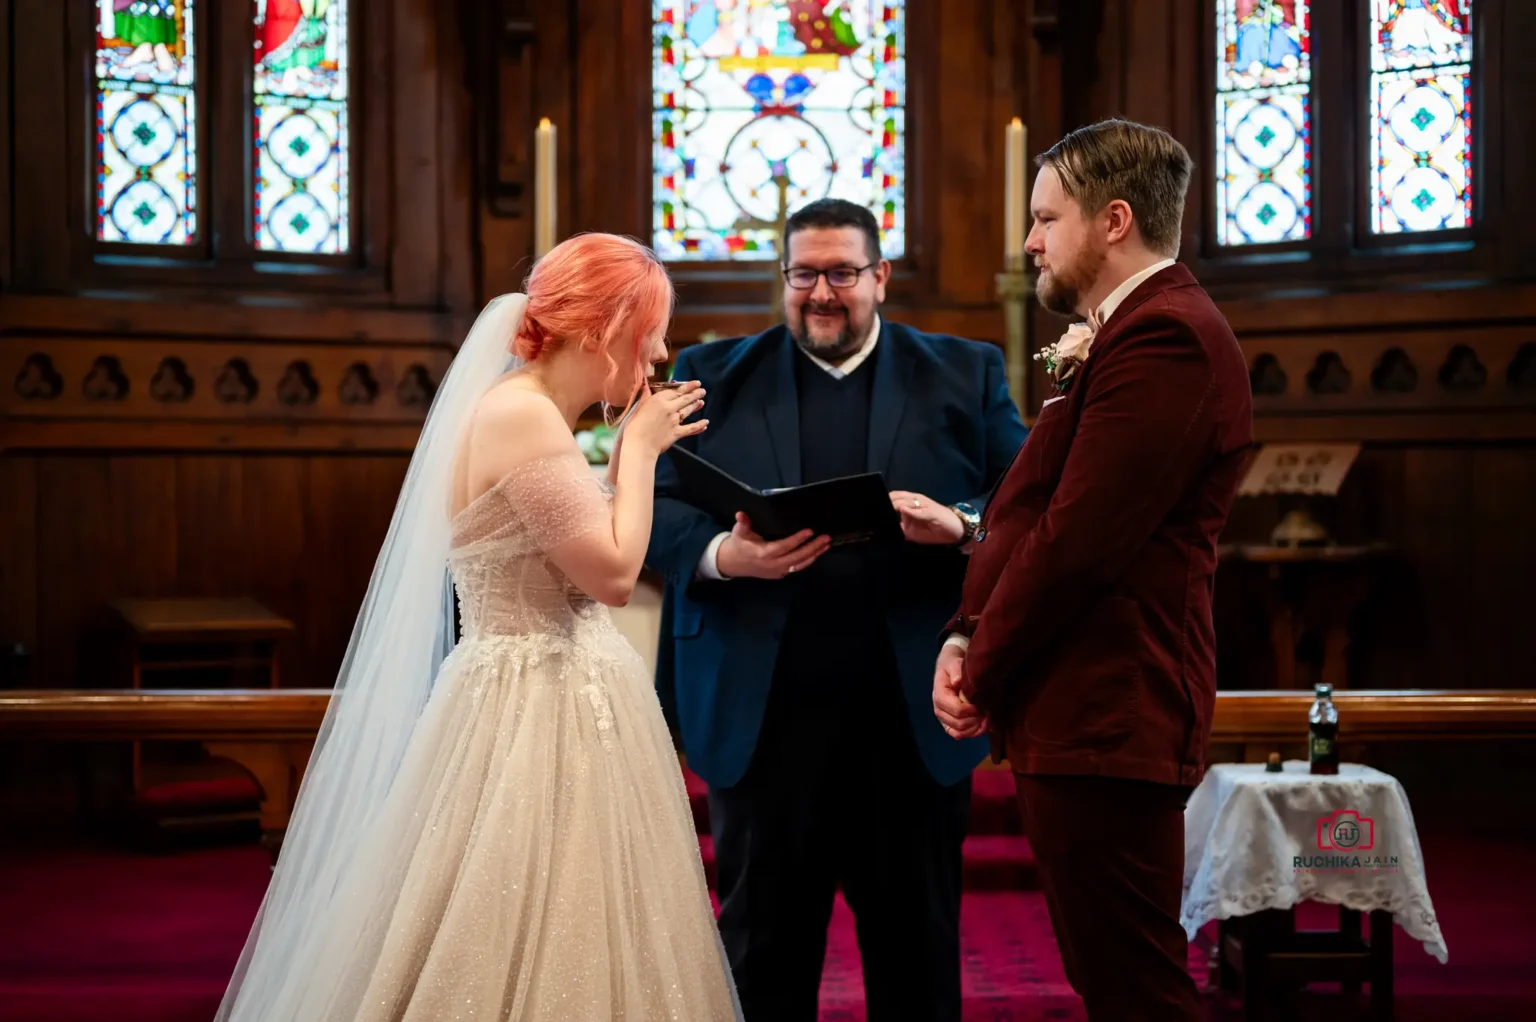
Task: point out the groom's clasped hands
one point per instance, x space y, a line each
951 703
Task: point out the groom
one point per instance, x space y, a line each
802 676
1084 641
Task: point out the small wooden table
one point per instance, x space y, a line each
197 644
1258 843
226 643
1264 953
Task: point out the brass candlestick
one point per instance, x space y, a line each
1014 288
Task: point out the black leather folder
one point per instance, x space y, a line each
850 509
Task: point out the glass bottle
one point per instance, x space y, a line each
1323 732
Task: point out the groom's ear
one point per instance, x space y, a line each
1119 221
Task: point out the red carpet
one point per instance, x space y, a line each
97 934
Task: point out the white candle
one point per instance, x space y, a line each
1014 201
544 189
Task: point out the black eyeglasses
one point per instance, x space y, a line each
803 278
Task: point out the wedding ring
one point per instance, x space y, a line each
917 503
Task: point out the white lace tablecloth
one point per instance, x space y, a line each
1254 840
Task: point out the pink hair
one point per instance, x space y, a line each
597 291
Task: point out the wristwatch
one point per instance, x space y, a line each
970 518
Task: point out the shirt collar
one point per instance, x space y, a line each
1108 306
855 360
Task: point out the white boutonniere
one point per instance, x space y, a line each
1063 358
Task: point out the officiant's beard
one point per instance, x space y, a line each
1061 288
848 339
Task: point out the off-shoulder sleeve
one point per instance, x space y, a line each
558 498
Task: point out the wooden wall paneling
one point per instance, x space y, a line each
350 501
923 130
1094 44
335 319
1501 566
456 190
1294 308
1516 140
1339 87
1432 369
521 69
226 210
1149 54
329 603
416 251
136 391
1391 645
18 555
278 564
74 569
7 148
610 146
65 436
1437 509
144 547
377 86
211 526
78 126
1060 66
960 140
42 175
1188 50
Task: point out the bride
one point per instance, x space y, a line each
503 833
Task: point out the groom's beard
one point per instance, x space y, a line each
829 348
1061 289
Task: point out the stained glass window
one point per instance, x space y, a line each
751 96
1263 121
301 167
146 122
1421 115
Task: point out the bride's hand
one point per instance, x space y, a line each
658 421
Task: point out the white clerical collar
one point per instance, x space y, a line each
855 360
1108 306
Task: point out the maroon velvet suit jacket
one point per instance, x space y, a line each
1088 596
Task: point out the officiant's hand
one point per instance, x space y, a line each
745 554
925 521
961 718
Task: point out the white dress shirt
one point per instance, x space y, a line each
1100 316
709 566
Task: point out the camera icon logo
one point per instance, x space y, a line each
1345 830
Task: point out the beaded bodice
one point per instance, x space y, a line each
506 582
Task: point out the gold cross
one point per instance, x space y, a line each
777 226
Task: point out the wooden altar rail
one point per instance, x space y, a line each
271 731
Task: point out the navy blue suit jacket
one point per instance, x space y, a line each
941 423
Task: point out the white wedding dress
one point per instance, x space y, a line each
536 858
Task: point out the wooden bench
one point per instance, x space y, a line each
272 731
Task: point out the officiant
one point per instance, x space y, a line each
800 674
